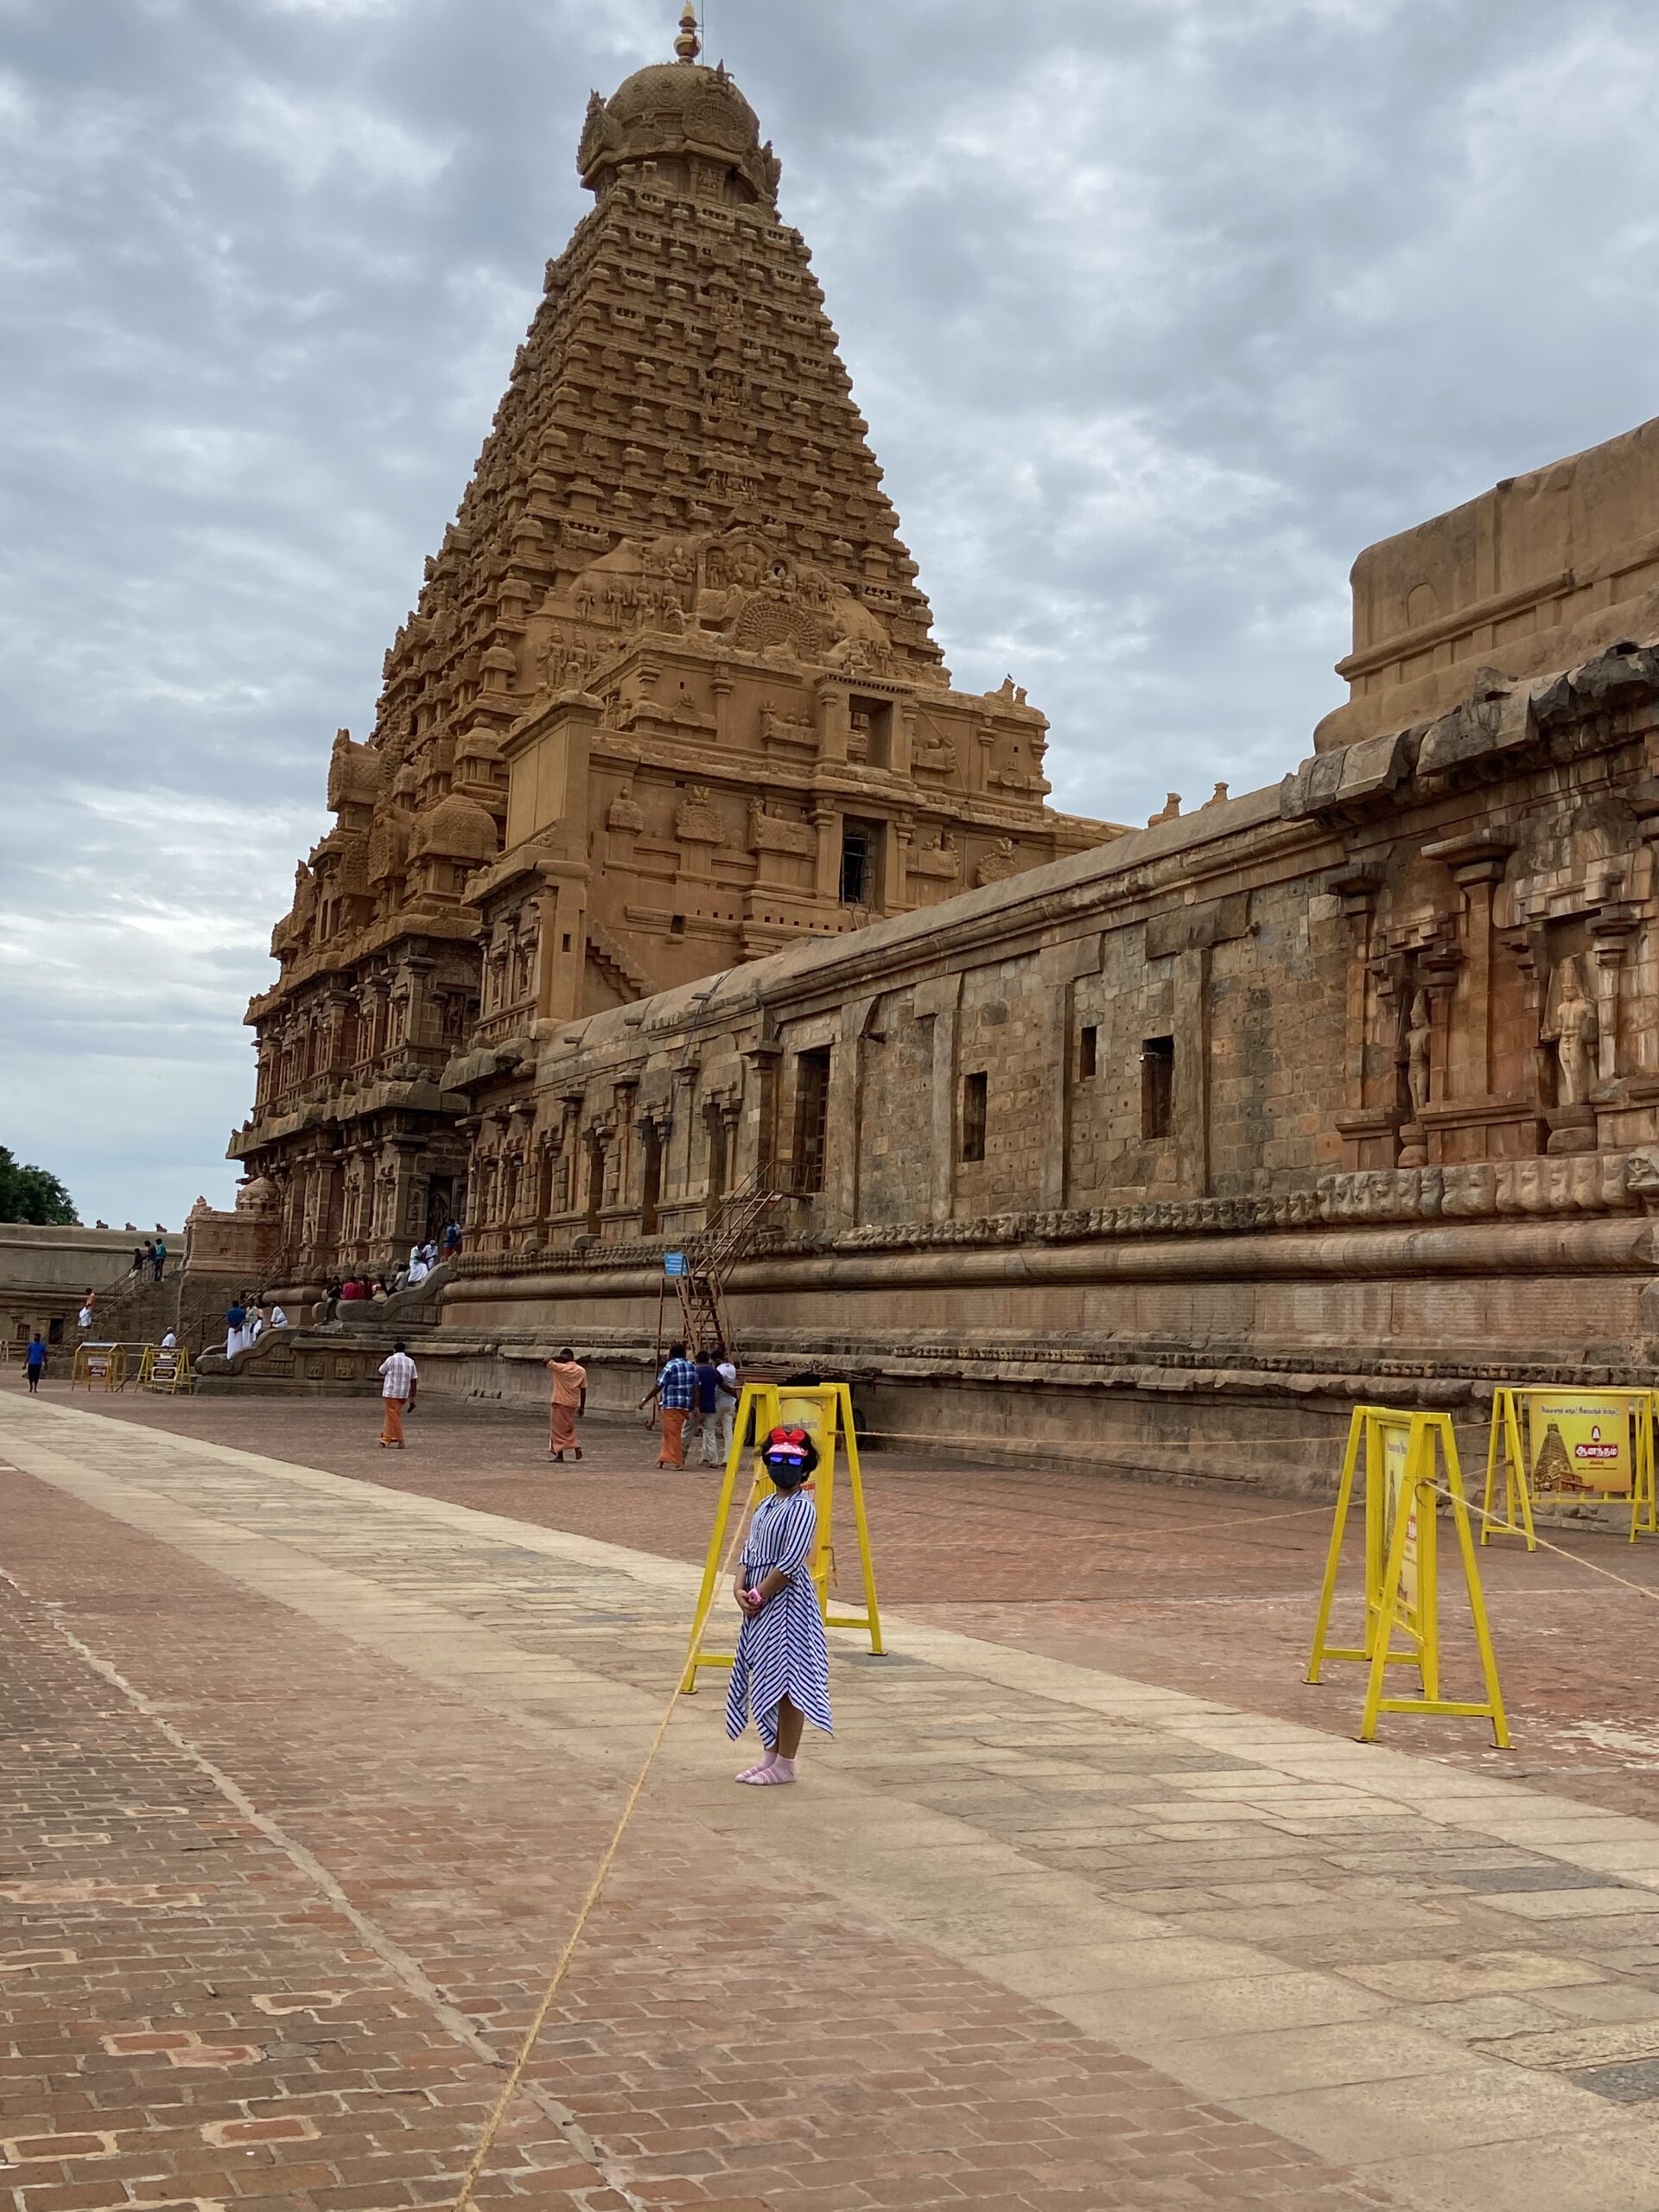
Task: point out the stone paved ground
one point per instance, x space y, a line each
1196 1590
1040 1929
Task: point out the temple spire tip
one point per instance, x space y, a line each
688 45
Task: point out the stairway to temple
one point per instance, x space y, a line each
135 1310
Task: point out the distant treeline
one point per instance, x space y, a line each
30 1194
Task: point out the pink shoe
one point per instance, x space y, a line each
769 1777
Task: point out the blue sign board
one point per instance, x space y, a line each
674 1263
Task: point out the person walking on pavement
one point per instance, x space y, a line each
717 1426
35 1363
780 1677
674 1391
399 1380
568 1403
701 1426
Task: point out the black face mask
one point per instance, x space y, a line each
786 1478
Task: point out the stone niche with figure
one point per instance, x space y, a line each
1501 987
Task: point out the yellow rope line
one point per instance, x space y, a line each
595 1889
1573 1559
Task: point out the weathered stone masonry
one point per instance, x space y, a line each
1222 1166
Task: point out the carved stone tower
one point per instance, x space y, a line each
669 698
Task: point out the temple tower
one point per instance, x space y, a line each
669 699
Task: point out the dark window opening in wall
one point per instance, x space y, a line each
677 926
651 1193
973 1117
1088 1050
595 1184
811 1118
1157 1086
564 941
872 731
718 1166
858 850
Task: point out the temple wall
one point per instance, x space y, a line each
1349 1089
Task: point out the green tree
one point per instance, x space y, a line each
31 1195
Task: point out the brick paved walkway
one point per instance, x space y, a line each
1032 1934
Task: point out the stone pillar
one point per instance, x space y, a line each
939 1000
1190 983
826 820
1477 864
1610 932
839 1206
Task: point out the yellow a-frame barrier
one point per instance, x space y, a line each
168 1371
1398 1456
825 1411
1644 1514
1507 1452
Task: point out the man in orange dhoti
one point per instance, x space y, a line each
399 1379
569 1402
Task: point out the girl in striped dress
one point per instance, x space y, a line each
781 1673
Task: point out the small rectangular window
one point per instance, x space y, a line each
811 1119
973 1117
858 853
1088 1050
1157 1086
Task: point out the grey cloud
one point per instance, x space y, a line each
1159 310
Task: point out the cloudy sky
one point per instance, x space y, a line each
1159 309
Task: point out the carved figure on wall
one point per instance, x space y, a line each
1419 1036
1575 1035
1000 862
695 820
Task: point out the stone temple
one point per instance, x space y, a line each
670 701
674 869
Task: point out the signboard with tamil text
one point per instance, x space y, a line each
1579 1440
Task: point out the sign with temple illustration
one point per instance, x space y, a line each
1579 1440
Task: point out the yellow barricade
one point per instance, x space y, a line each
166 1370
825 1411
1588 1443
1405 1460
98 1367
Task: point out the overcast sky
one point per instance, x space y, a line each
1159 309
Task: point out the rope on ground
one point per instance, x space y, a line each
595 1889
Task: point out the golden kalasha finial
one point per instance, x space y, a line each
688 45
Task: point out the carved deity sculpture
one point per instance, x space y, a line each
1418 1036
1575 1036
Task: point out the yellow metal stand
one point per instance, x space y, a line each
826 1412
98 1367
1644 1520
168 1371
1506 1454
1399 1455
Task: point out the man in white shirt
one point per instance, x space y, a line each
279 1318
398 1382
717 1426
170 1342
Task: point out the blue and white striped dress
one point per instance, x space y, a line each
781 1651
